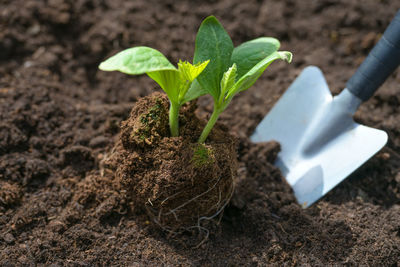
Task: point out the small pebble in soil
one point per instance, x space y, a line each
9 238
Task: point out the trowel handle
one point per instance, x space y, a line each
379 64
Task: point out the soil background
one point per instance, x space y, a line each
60 117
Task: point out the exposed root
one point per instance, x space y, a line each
104 164
219 206
182 185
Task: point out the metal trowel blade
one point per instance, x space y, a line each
319 148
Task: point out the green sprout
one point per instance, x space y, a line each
174 81
231 70
219 69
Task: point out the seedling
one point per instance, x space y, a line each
174 81
219 69
231 70
189 194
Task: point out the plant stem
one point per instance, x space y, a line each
210 124
174 119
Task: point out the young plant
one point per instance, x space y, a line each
230 70
174 81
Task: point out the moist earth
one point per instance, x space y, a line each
60 119
180 183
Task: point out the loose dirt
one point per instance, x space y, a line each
60 119
181 184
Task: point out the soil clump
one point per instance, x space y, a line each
182 184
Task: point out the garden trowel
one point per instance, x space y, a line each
320 142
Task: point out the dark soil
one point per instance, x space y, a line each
181 184
60 118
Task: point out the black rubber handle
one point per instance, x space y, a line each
380 63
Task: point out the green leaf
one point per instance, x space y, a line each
249 53
190 72
170 82
137 60
142 59
195 91
214 43
247 80
228 80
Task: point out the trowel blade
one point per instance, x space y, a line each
312 175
